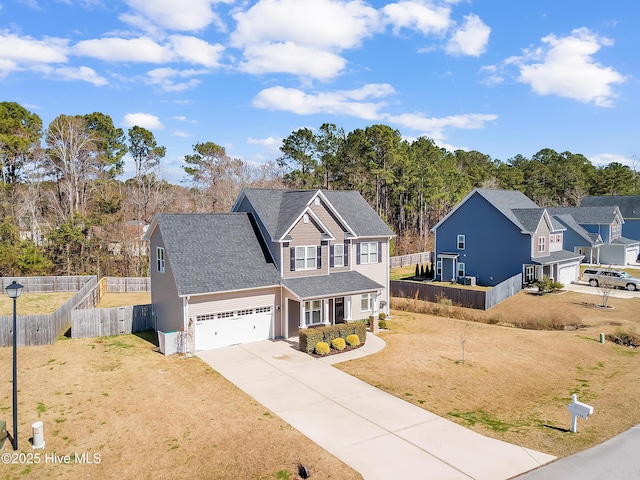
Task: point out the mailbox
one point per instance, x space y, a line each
578 409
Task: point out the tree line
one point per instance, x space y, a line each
66 210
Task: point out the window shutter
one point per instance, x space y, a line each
292 259
379 252
357 254
331 263
319 258
346 254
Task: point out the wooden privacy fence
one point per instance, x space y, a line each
47 284
128 284
478 299
411 259
45 329
102 322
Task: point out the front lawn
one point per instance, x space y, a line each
515 384
146 416
34 303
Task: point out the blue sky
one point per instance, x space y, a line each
504 77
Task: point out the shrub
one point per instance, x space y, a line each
382 324
330 333
338 344
353 340
382 316
360 330
308 338
322 348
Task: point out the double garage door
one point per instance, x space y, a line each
222 329
632 254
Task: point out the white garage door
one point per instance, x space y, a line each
222 329
568 274
632 254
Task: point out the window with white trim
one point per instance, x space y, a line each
461 242
542 244
338 255
461 269
528 273
439 267
306 258
366 302
368 252
313 312
160 259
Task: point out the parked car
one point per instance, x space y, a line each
615 278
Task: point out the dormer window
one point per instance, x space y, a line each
542 244
316 201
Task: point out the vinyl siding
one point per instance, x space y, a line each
541 232
495 248
331 222
164 294
378 272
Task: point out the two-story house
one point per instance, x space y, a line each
281 261
596 232
629 206
493 235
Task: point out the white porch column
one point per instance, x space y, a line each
302 325
347 308
325 303
374 308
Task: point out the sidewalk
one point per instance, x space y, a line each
379 435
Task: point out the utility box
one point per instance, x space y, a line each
168 342
3 433
38 435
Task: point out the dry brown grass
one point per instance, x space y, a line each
34 303
112 299
516 383
148 416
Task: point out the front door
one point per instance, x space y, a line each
339 303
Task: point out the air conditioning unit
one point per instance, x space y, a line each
470 281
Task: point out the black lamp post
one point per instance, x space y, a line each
14 291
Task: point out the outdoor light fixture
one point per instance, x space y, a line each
14 290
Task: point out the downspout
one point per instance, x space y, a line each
185 320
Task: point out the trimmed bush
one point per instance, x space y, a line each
382 316
338 344
360 329
322 348
382 324
353 340
308 337
330 333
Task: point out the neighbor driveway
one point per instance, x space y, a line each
377 434
583 287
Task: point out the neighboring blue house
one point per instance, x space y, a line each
493 235
596 233
629 206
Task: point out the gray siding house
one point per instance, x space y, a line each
282 260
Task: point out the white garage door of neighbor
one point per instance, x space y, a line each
567 274
632 254
222 329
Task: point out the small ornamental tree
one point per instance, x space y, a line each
417 271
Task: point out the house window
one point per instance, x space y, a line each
338 255
160 259
461 242
368 252
316 201
366 302
313 312
305 218
439 267
306 258
461 270
542 244
528 274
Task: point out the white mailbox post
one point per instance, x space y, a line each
578 409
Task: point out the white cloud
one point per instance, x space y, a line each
291 58
186 15
144 120
85 74
17 53
565 66
418 15
344 102
302 38
434 127
604 159
195 50
112 49
165 78
271 144
181 134
471 38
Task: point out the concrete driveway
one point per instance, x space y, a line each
377 434
583 287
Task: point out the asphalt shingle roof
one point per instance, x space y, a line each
557 257
278 210
343 283
215 252
509 200
570 222
587 215
529 218
629 205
